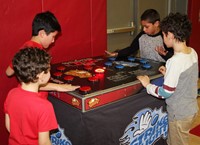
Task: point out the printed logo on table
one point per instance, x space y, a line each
59 138
146 128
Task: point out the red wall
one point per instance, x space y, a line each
194 14
83 25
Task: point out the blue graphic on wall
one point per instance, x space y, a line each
146 128
59 138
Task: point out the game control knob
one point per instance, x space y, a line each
93 79
57 74
112 58
61 68
88 67
143 61
77 63
108 63
99 70
85 89
147 66
130 58
119 66
68 78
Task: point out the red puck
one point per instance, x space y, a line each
89 62
88 67
57 74
93 79
68 78
77 63
85 89
61 68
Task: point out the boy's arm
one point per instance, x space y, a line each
169 52
9 71
44 138
152 89
7 122
111 54
132 49
58 87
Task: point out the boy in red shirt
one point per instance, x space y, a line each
28 117
45 28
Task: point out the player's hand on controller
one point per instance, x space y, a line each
111 54
162 69
161 50
144 80
66 87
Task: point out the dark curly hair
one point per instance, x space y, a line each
178 24
29 62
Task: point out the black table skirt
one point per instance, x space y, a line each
106 125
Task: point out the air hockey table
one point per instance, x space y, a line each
113 107
103 80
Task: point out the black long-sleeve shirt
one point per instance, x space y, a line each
147 44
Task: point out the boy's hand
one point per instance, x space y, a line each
162 69
66 87
144 80
111 54
58 87
161 50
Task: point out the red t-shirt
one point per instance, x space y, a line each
29 114
33 44
29 44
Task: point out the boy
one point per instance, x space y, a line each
180 79
148 41
28 117
45 28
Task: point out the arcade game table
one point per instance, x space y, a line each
103 80
111 107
